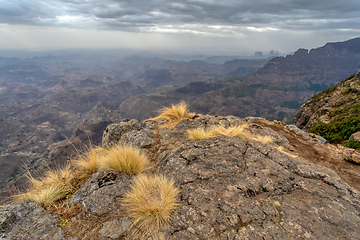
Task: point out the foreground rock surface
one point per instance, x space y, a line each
28 220
229 188
252 191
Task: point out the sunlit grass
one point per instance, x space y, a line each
89 160
125 159
44 197
239 131
174 114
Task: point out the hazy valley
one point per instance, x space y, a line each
45 101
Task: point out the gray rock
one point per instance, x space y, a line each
304 135
357 75
320 138
115 228
113 133
102 193
28 220
249 190
304 118
143 138
355 136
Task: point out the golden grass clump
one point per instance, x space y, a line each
61 178
238 131
54 185
198 134
174 114
264 139
150 203
125 159
44 197
89 160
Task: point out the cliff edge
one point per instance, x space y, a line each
294 186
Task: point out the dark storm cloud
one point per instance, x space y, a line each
147 15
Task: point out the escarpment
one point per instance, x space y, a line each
271 181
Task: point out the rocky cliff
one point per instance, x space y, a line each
334 112
295 186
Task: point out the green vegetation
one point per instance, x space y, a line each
346 111
339 129
327 92
353 144
342 102
351 90
348 78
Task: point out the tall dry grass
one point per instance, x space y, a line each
239 131
89 161
125 159
150 203
173 115
54 185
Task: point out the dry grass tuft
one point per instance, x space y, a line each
53 186
62 178
234 131
150 203
238 131
174 114
125 159
89 160
198 134
44 197
265 139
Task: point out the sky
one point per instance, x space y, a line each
184 26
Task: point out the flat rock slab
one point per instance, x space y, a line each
28 220
232 189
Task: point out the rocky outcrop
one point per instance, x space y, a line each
296 188
113 132
355 136
250 190
333 102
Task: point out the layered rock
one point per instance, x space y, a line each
230 188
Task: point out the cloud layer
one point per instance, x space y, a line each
209 18
197 16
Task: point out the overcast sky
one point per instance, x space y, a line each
187 26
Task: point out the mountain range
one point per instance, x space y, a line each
47 100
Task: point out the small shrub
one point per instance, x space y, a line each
125 159
174 114
352 144
151 202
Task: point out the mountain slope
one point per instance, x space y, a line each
278 89
334 112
